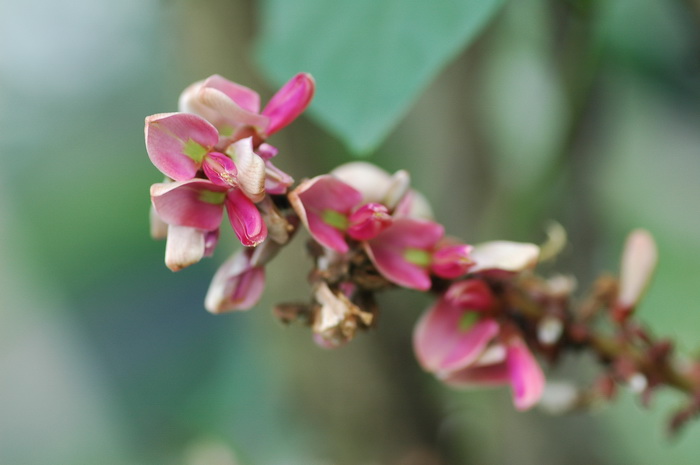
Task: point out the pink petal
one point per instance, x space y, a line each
451 261
277 182
177 143
526 377
472 294
368 221
325 234
289 102
184 247
246 98
225 113
237 284
266 151
196 203
211 239
316 199
440 344
220 170
245 218
387 251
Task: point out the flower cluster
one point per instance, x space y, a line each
492 319
214 155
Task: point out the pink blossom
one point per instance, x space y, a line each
330 209
235 109
405 253
199 203
463 345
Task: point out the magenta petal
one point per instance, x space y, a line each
245 218
368 221
317 199
387 251
472 294
220 169
177 143
440 344
196 203
451 261
392 265
289 102
526 377
325 234
479 376
266 151
246 98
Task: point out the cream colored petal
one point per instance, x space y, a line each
639 260
504 256
251 168
184 247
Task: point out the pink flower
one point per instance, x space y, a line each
410 250
199 204
331 209
235 109
463 345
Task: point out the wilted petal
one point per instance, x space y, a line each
504 256
368 221
237 285
443 345
639 260
451 261
526 377
245 218
289 102
251 168
394 249
177 143
185 246
323 204
196 203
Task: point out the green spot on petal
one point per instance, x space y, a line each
194 150
467 321
417 257
214 198
335 219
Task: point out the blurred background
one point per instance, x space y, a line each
508 114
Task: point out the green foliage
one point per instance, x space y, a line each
371 58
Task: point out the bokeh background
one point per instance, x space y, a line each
509 114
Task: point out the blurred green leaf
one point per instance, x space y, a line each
370 58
